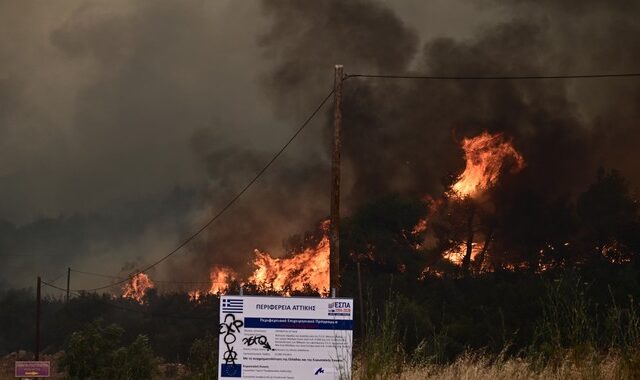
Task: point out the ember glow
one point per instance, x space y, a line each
486 156
311 266
423 223
137 287
420 227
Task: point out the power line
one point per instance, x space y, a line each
95 274
57 278
228 204
203 282
492 77
56 287
186 282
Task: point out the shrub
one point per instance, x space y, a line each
203 358
95 352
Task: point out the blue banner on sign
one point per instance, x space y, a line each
290 323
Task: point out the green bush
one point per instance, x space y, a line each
95 352
203 358
134 362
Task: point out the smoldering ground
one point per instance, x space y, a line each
109 102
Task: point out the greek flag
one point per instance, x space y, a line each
231 305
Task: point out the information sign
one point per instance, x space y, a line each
285 337
32 369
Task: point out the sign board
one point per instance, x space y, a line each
285 337
32 369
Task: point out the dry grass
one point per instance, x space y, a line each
474 366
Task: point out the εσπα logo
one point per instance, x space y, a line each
339 308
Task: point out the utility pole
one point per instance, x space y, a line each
361 301
68 282
37 350
334 233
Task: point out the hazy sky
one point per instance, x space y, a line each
99 99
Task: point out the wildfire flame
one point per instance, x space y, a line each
137 287
457 253
309 267
420 227
485 156
220 278
195 295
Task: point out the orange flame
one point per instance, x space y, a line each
485 156
420 227
309 267
220 278
137 287
457 253
423 223
195 295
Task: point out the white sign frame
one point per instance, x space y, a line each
265 337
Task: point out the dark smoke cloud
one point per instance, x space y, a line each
294 196
402 136
290 199
107 102
307 38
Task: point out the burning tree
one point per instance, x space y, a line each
137 287
487 156
221 277
464 222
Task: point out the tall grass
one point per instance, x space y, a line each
569 321
381 353
573 338
480 366
572 328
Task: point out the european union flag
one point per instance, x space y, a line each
231 370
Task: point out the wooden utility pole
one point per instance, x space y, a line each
361 301
37 350
334 233
68 282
